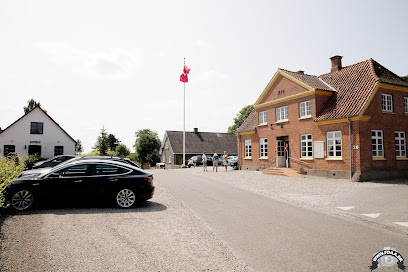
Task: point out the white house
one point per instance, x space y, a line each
36 132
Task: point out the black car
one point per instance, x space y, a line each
118 182
53 161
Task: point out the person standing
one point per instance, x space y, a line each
225 160
204 157
215 162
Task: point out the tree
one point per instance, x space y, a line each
112 142
101 143
240 118
405 78
147 146
122 151
78 147
31 105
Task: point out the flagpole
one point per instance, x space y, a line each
184 128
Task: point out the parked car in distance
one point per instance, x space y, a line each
53 161
209 160
118 182
233 161
197 160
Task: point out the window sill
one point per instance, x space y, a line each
402 159
263 125
282 121
306 159
263 158
248 158
305 117
388 112
378 159
334 159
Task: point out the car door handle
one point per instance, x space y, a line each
36 184
77 181
114 179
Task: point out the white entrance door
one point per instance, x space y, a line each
280 153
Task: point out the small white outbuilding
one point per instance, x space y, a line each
36 133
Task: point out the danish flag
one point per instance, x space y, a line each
184 75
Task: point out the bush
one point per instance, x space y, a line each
10 169
31 159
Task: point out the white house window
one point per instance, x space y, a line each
333 144
406 104
387 102
263 147
262 117
400 146
248 148
377 143
37 128
9 149
282 114
58 150
305 109
306 145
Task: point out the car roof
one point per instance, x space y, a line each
98 161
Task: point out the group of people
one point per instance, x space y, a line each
216 159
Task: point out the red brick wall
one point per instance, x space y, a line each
388 123
288 87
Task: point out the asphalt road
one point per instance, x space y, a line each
271 235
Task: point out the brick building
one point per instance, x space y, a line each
351 122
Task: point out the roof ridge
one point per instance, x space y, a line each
327 84
372 68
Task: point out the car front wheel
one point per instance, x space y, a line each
22 200
125 198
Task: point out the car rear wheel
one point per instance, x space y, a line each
125 198
22 200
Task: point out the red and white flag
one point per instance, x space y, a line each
184 75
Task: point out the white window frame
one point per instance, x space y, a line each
306 146
400 144
386 102
263 147
405 104
332 139
305 109
248 148
262 118
282 114
377 143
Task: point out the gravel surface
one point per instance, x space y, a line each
160 235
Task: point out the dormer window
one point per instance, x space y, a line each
37 128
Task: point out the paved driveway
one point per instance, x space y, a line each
382 203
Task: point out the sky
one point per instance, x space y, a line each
117 64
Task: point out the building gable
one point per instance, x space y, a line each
286 85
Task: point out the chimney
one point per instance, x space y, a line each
195 130
336 63
301 72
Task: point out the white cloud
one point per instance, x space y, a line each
116 63
202 44
210 76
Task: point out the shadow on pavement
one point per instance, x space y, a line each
84 208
